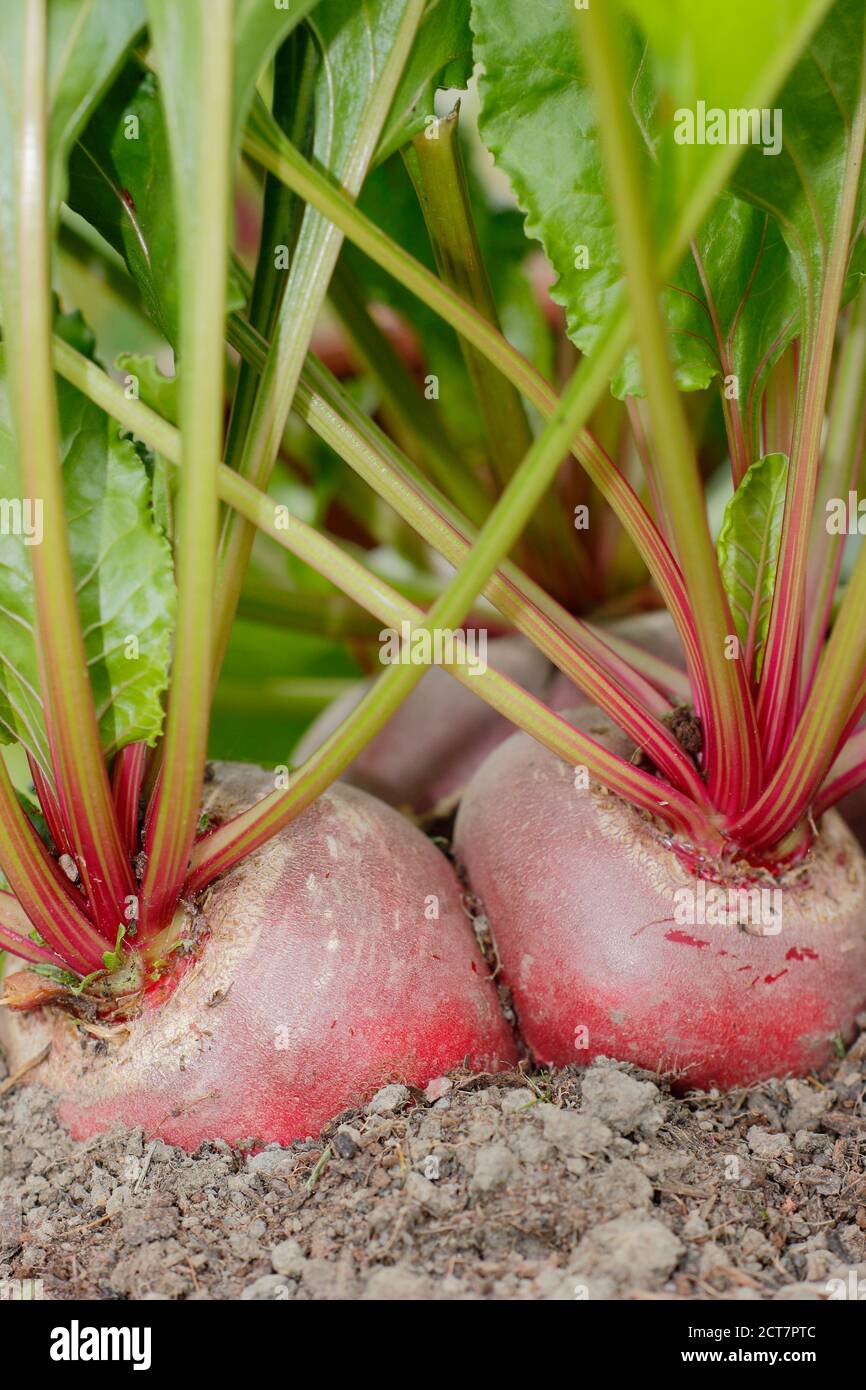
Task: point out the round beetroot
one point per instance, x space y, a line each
339 958
427 752
586 905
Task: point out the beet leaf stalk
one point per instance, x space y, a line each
193 44
733 752
80 777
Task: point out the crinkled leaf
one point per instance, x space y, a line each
538 120
141 375
748 548
441 57
124 581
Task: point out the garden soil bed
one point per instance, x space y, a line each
528 1185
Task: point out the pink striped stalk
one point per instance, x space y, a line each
15 935
846 775
834 702
50 806
840 469
778 697
779 402
80 778
42 889
127 776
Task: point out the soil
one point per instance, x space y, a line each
594 1183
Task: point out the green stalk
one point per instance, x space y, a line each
294 74
414 422
328 615
839 472
733 751
200 151
80 775
438 173
337 420
265 143
281 697
305 293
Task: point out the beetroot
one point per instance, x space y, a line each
339 957
425 756
602 958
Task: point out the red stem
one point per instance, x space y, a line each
50 807
126 779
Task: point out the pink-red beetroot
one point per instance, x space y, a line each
339 958
427 752
582 897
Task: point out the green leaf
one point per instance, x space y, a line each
536 100
748 548
120 182
123 574
801 186
441 58
112 959
87 42
142 375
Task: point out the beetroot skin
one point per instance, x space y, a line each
326 974
581 896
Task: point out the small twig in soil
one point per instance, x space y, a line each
22 1071
98 1221
319 1168
144 1167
